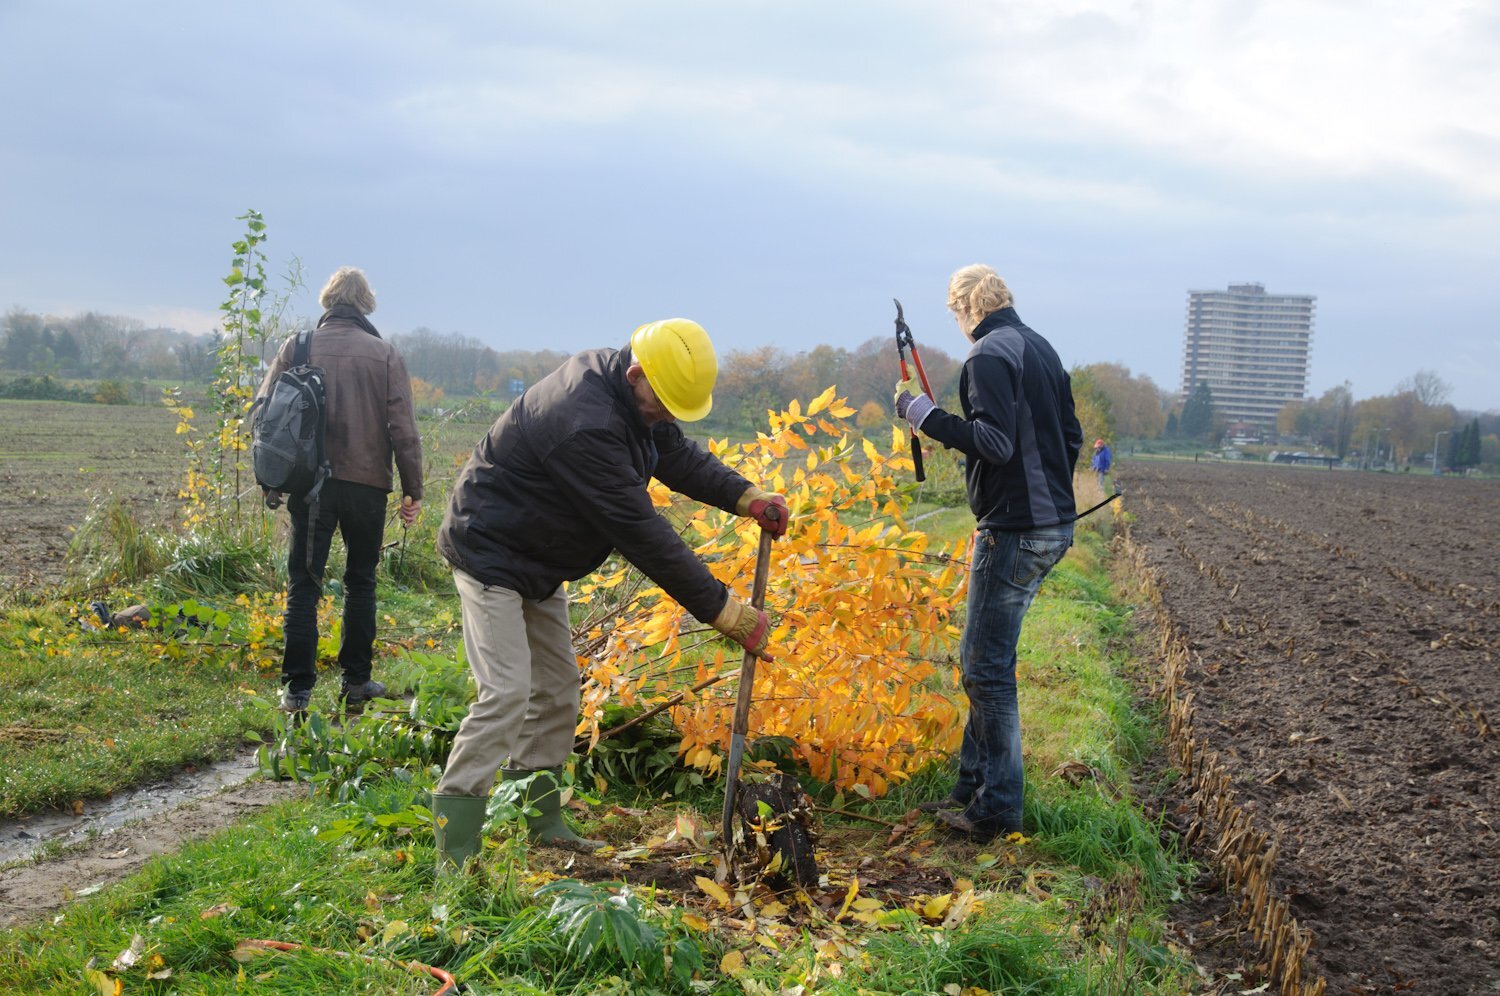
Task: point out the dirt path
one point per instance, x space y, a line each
1345 629
35 890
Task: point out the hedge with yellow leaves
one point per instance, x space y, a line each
864 643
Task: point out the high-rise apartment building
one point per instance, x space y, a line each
1250 347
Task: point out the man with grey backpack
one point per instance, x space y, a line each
361 421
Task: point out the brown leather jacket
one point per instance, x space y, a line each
369 402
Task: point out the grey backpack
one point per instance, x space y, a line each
287 450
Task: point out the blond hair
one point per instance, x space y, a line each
348 286
976 291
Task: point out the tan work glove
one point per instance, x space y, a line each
766 508
746 625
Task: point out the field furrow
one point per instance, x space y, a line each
1346 668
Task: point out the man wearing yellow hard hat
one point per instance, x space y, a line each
557 484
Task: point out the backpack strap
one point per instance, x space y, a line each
302 352
312 500
325 471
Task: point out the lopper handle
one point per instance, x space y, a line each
916 444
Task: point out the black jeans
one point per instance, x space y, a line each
358 511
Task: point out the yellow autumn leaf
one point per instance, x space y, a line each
849 898
733 963
774 908
713 889
936 907
960 910
695 922
103 984
821 402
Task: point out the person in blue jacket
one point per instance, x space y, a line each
1020 439
1101 463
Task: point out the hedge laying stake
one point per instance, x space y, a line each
905 341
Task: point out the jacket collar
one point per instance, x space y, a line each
624 394
995 319
348 313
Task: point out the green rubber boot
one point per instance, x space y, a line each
456 823
549 827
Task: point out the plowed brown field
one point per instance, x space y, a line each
1344 630
57 459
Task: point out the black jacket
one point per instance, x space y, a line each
1018 431
560 481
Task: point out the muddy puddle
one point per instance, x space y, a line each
24 838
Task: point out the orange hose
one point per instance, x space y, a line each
450 985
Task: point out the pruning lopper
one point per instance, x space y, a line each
905 341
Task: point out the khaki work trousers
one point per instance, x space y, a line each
521 653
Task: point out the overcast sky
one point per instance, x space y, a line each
550 174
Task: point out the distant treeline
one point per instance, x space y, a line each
750 382
92 346
44 352
448 367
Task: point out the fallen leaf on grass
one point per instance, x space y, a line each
713 889
1074 772
904 828
962 907
217 910
103 984
732 963
934 908
848 899
1033 886
125 960
774 909
867 910
689 829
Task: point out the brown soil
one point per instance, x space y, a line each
1344 630
57 459
32 891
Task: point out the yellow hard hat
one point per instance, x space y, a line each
678 360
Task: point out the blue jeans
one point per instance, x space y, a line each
357 511
1004 575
